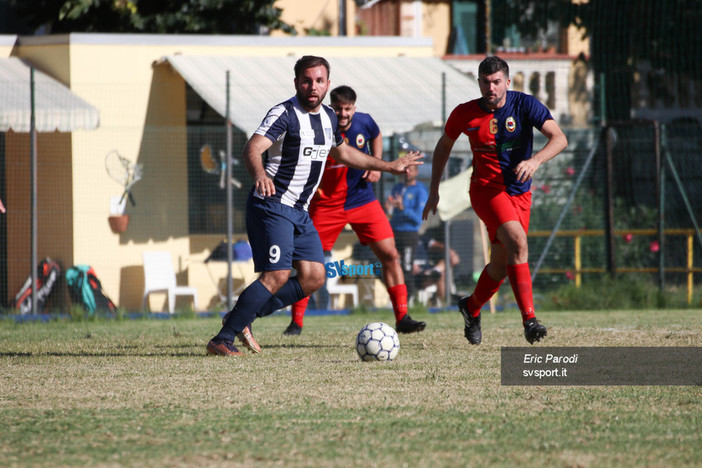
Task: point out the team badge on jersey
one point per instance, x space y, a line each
360 141
510 124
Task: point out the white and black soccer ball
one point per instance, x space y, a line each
377 341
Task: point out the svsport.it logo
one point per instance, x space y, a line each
340 268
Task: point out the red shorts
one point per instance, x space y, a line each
495 207
369 222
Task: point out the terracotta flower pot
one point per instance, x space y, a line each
118 223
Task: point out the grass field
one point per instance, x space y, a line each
144 393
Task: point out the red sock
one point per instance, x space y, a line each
484 290
298 310
520 279
398 297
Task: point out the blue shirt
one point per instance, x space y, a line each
414 197
500 140
344 186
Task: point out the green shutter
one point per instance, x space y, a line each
465 26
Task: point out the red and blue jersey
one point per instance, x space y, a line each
499 140
342 186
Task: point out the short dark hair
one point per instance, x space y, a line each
491 65
343 93
310 61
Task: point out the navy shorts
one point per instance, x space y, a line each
280 235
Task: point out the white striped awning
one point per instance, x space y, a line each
400 92
56 108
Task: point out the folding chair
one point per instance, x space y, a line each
160 277
337 289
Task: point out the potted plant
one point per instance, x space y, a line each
126 173
118 219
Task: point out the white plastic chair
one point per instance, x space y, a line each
336 290
160 277
425 294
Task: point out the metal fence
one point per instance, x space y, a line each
615 183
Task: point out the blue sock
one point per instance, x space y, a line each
290 293
254 297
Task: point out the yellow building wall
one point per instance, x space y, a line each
142 116
306 15
7 42
310 16
52 58
576 43
54 220
436 24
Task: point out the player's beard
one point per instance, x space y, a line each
493 100
310 103
346 124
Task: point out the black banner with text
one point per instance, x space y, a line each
601 366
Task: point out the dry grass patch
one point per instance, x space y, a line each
144 393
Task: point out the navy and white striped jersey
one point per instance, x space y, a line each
301 143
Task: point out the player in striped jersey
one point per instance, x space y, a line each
499 126
296 137
346 196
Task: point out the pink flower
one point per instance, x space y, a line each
570 171
654 246
546 188
570 275
627 237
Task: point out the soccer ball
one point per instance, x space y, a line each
377 341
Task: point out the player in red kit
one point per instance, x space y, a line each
346 195
499 126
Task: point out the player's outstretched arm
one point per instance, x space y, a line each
253 160
359 160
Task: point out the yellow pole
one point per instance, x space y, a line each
690 256
578 262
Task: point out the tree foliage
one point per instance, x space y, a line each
664 35
151 16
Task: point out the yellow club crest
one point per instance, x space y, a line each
360 141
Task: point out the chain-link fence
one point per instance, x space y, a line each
633 212
623 196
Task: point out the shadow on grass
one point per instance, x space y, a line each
98 354
160 351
